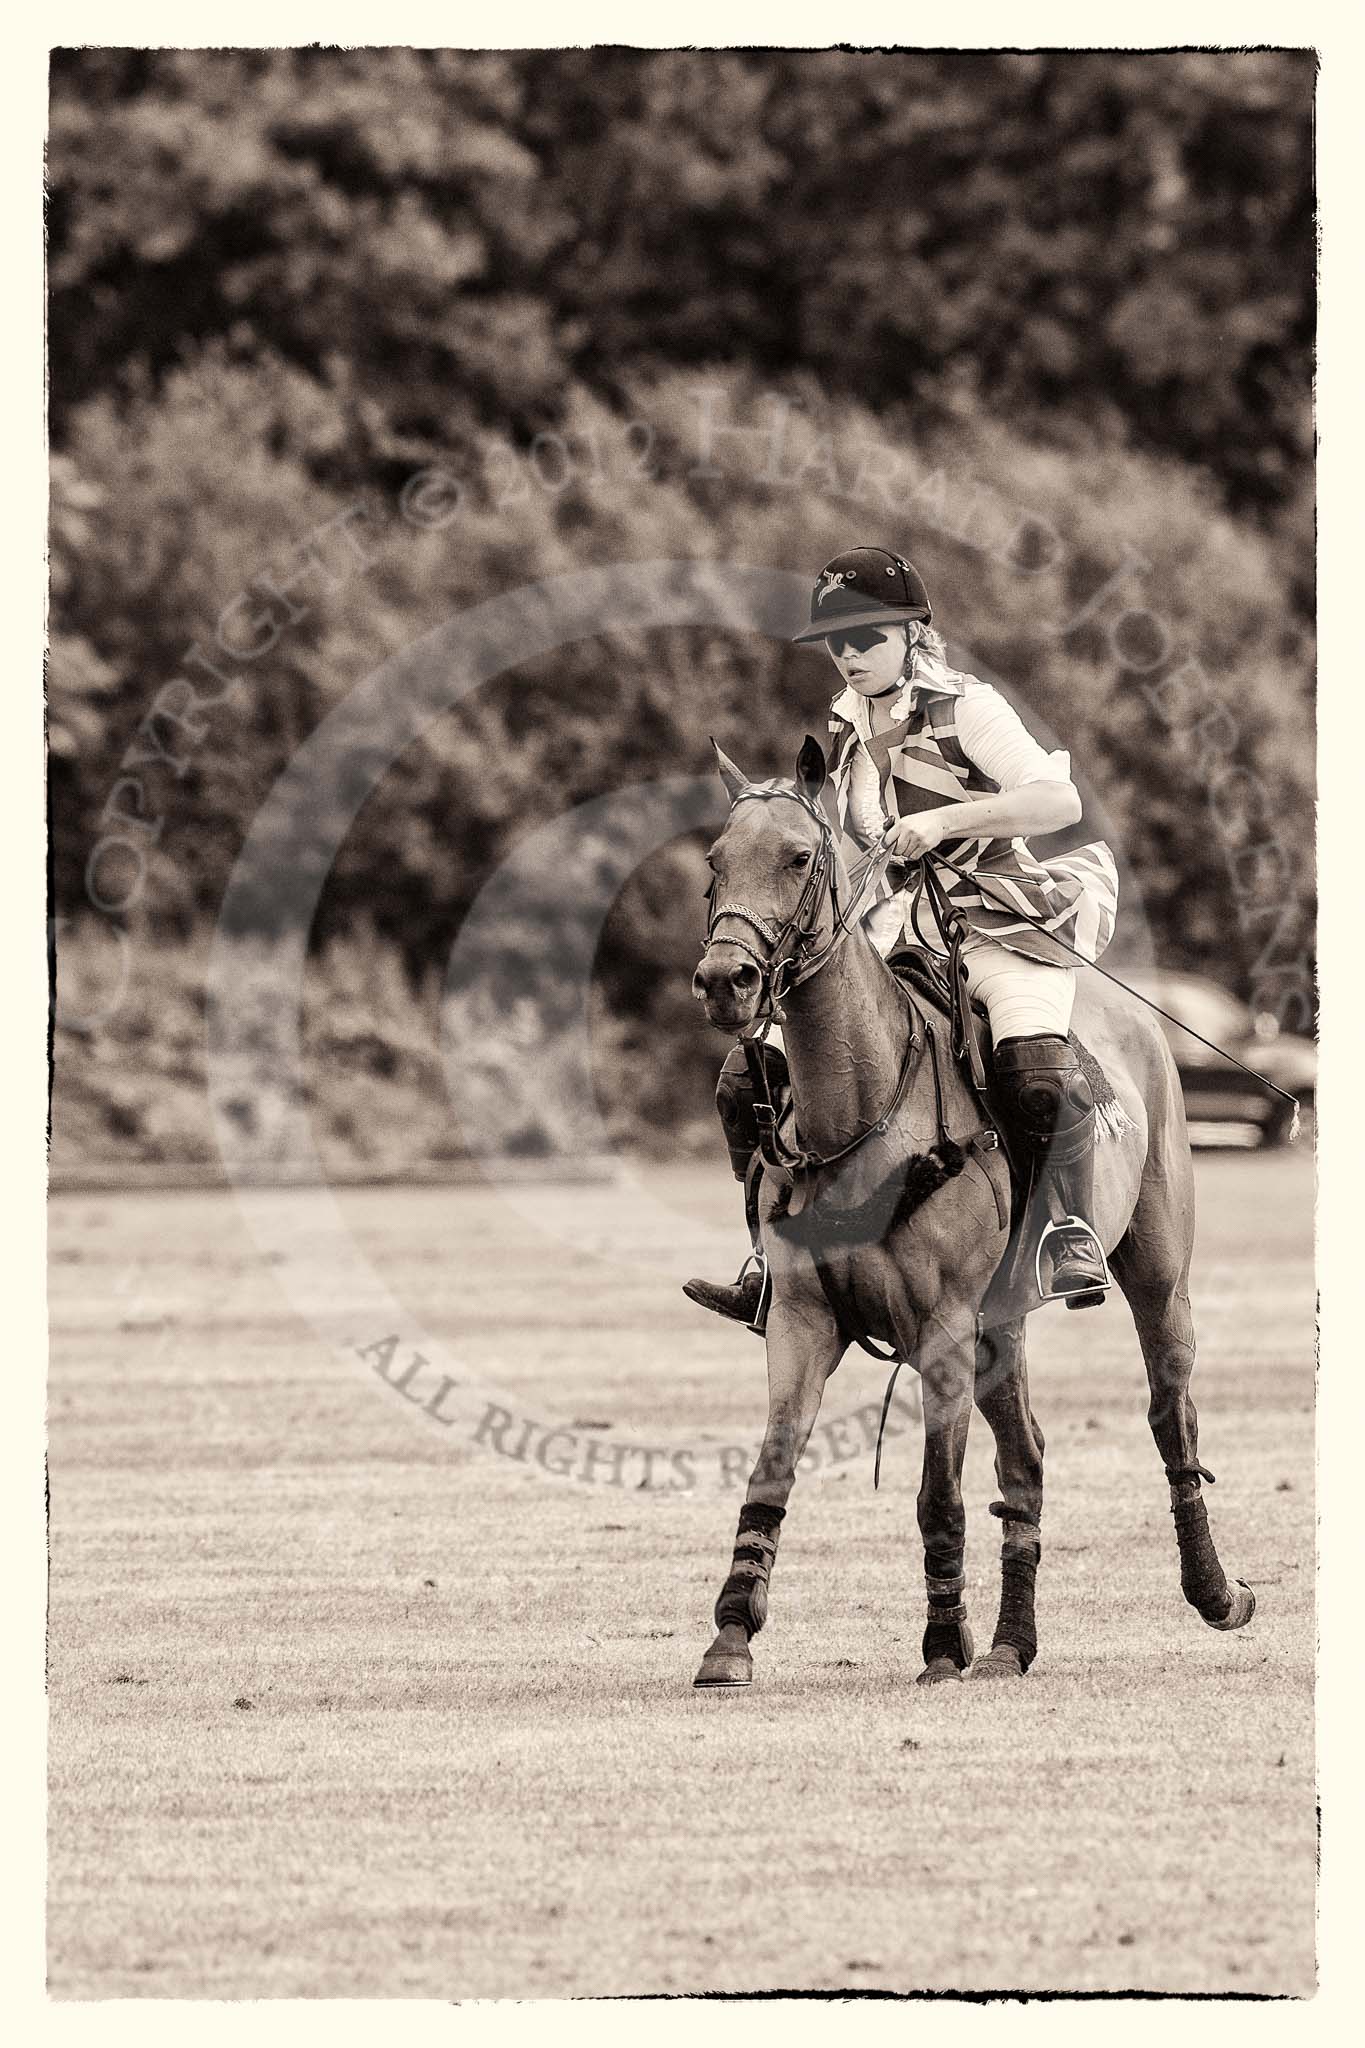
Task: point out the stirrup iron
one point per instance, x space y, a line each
1093 1292
757 1262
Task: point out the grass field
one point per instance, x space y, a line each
344 1704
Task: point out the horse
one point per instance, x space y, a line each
879 1232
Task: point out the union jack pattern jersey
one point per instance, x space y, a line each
921 765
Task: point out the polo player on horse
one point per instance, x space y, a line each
924 757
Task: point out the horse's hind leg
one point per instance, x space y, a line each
1002 1397
1152 1265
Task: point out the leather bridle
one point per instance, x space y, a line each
789 961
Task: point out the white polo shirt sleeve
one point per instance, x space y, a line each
994 736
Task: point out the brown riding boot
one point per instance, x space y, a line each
1052 1113
745 1302
1078 1264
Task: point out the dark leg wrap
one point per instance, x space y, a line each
946 1634
1018 1577
744 1596
1202 1579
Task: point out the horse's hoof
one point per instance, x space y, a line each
939 1672
728 1661
725 1668
1003 1661
1242 1608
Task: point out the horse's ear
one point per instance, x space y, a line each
810 768
734 779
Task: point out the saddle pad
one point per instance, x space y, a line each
925 974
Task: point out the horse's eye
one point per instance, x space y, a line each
800 860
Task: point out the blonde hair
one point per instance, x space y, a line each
925 651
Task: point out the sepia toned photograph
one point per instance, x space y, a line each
681 774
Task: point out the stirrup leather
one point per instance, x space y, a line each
1093 1289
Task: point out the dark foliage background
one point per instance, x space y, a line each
1075 291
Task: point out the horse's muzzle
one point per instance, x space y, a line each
728 987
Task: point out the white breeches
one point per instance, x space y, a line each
1023 998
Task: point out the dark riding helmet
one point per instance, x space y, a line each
865 587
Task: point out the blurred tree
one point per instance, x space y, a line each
438 236
1080 285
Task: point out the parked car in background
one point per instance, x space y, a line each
1223 1105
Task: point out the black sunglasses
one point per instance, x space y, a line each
860 638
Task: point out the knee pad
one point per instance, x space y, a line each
1045 1088
735 1100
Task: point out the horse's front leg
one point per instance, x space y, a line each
804 1346
946 1357
1002 1396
